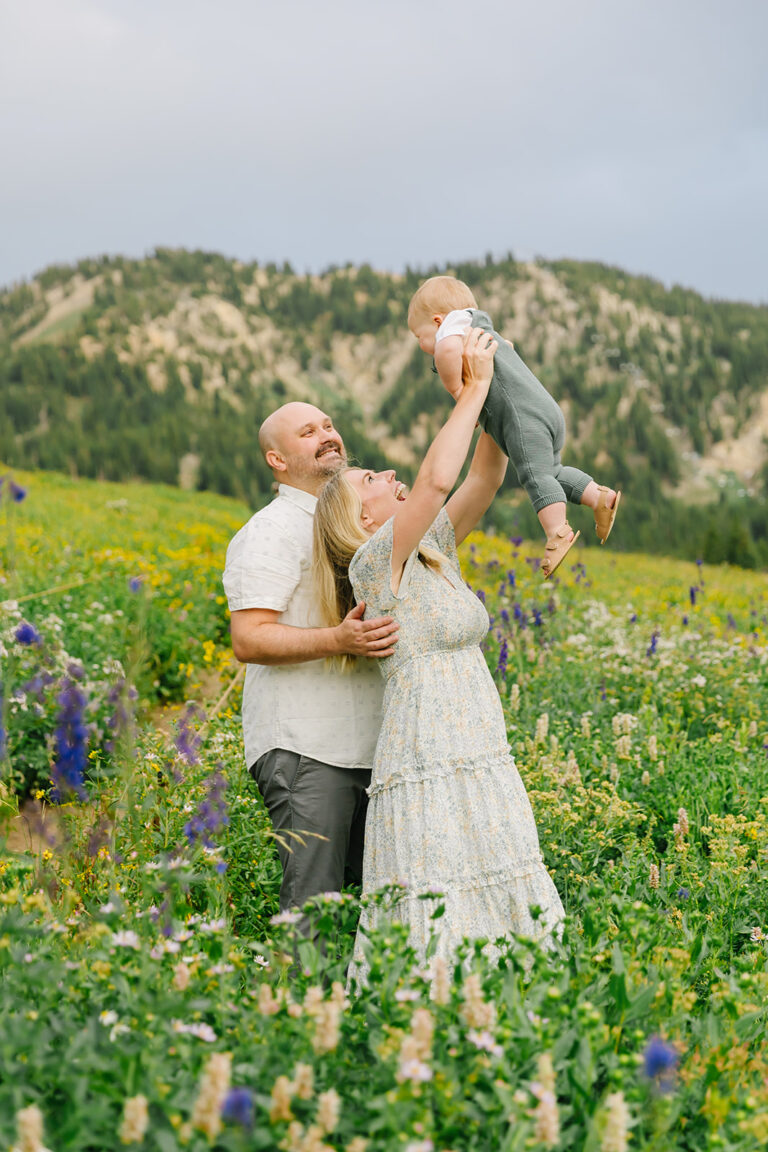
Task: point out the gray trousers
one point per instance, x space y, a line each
302 796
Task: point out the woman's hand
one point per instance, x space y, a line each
477 361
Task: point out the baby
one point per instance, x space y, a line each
519 414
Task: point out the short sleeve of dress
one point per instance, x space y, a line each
442 536
370 572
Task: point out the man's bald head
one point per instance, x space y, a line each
301 446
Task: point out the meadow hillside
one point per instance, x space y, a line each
162 368
149 994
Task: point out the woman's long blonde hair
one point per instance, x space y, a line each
338 533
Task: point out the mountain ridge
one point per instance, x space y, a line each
665 392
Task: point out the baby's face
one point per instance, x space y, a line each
425 332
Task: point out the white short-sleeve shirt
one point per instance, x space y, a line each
456 323
307 708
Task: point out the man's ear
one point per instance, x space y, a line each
275 461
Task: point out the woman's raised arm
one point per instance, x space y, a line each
443 461
474 497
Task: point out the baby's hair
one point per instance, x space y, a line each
439 295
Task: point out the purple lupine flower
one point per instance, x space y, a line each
516 540
187 739
238 1107
511 577
504 615
651 649
659 1062
211 816
26 633
71 742
17 493
692 594
501 667
730 621
685 621
480 595
537 620
35 687
684 893
120 698
135 583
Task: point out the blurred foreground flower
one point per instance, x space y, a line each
29 1128
9 487
214 1089
659 1063
238 1107
616 1124
27 634
211 816
135 1120
547 1116
71 738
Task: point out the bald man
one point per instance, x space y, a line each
310 731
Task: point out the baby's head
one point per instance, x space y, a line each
431 303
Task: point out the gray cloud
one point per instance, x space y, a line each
397 133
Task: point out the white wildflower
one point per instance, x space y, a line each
214 1086
29 1128
328 1110
126 938
135 1120
616 1124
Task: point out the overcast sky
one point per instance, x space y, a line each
413 131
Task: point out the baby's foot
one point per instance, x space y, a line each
558 545
605 511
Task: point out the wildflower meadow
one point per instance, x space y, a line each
152 995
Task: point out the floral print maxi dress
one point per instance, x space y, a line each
448 811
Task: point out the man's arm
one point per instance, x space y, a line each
259 638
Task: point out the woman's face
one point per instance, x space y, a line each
380 493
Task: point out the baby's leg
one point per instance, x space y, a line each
537 466
536 463
591 495
574 482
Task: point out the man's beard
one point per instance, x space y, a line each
323 466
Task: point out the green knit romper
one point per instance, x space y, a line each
529 425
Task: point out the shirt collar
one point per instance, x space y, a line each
298 497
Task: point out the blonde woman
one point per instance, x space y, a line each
448 811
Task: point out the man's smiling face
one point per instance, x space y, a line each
310 447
